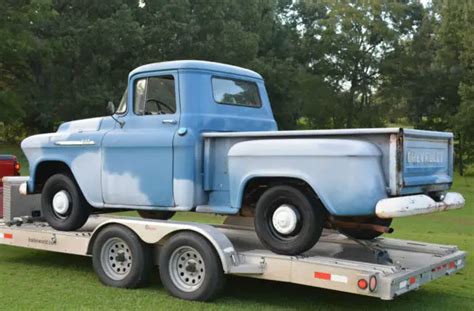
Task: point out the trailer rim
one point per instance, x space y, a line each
187 269
116 258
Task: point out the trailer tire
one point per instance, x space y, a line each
287 222
160 215
120 258
190 267
62 203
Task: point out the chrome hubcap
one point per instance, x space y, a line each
285 219
187 268
61 202
116 259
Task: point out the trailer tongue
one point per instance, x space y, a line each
383 268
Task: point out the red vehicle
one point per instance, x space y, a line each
9 166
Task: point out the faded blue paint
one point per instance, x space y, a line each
329 166
148 164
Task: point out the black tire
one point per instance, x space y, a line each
135 256
309 225
78 211
367 234
161 215
209 285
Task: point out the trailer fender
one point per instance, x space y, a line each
157 232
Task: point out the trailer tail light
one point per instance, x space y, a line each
372 283
362 284
17 168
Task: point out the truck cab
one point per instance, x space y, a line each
164 112
200 136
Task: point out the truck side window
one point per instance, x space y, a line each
236 92
155 95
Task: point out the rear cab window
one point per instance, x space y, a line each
229 91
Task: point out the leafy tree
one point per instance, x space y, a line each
346 42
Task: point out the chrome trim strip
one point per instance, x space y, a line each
84 142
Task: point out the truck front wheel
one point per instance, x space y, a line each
286 222
62 203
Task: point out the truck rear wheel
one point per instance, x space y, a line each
190 267
62 203
162 215
286 222
120 258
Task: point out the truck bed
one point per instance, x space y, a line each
413 161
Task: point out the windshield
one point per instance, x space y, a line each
123 103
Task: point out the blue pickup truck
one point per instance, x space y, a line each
200 136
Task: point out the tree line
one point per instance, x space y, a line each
327 64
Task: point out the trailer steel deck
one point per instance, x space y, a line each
389 267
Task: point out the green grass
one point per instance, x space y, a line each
32 279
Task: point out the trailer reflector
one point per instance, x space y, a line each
373 283
403 284
6 236
330 277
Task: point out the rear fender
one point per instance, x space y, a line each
346 174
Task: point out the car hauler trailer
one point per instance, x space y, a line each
193 258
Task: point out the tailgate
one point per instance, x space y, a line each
427 161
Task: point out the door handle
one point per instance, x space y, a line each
169 121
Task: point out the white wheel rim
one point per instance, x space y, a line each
285 219
61 202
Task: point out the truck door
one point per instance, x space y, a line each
137 166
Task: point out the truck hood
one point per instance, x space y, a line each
92 124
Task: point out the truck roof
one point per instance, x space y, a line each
196 64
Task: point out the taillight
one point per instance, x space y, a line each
17 168
362 284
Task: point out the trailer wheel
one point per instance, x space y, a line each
190 267
161 215
62 203
120 258
286 222
366 234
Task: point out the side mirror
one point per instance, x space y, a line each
111 110
111 107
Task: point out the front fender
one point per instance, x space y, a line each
346 174
84 160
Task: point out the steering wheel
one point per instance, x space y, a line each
160 105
